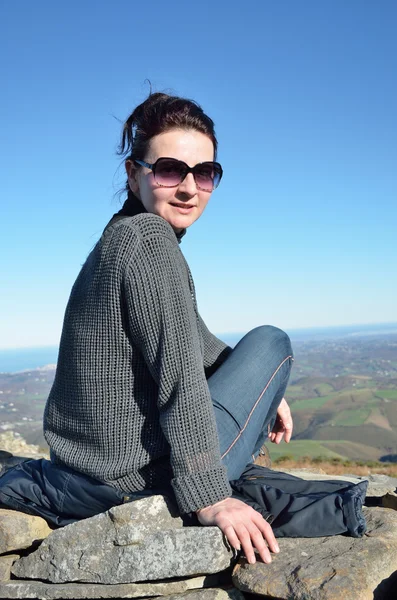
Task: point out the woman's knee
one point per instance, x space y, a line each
272 339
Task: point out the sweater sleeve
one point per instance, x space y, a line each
164 326
215 351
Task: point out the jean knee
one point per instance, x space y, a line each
268 336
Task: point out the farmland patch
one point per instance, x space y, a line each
310 403
389 394
352 417
299 448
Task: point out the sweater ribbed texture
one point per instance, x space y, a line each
130 404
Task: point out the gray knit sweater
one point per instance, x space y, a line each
130 403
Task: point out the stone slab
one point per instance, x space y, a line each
212 594
137 541
378 484
6 563
329 568
80 591
390 501
19 531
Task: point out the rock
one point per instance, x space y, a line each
315 475
77 591
14 450
329 568
390 501
309 470
137 541
7 460
212 594
263 459
19 531
6 563
378 484
14 444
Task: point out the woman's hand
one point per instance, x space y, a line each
283 424
243 526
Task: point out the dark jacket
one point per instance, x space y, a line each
295 507
299 508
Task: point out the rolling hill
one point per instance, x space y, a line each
342 392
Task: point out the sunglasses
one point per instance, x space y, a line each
170 172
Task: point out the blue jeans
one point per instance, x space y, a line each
246 391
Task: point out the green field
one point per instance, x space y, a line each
348 418
353 450
325 449
311 403
388 394
300 448
324 388
342 400
296 391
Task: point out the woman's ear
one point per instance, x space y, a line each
132 175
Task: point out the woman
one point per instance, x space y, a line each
145 399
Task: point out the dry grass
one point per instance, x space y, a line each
337 467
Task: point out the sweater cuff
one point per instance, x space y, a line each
201 489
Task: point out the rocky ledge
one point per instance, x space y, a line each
142 549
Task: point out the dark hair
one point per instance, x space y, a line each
160 113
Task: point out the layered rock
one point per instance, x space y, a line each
6 563
138 541
193 587
389 500
142 549
378 484
19 531
14 444
14 450
329 568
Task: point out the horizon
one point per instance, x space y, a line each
233 334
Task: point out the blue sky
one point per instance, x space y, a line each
301 231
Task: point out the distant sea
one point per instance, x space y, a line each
326 333
23 359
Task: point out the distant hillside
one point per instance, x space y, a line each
348 416
342 392
22 400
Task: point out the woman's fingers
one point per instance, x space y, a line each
243 526
251 534
284 412
266 532
283 425
279 436
276 435
260 544
231 536
245 538
288 431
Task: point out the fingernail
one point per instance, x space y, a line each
252 560
277 548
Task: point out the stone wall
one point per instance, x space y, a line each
142 549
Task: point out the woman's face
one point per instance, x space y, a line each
182 205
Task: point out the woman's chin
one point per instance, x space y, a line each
179 222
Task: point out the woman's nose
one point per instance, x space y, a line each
188 185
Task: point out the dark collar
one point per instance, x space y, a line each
133 206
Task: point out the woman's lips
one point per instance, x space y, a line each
184 209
